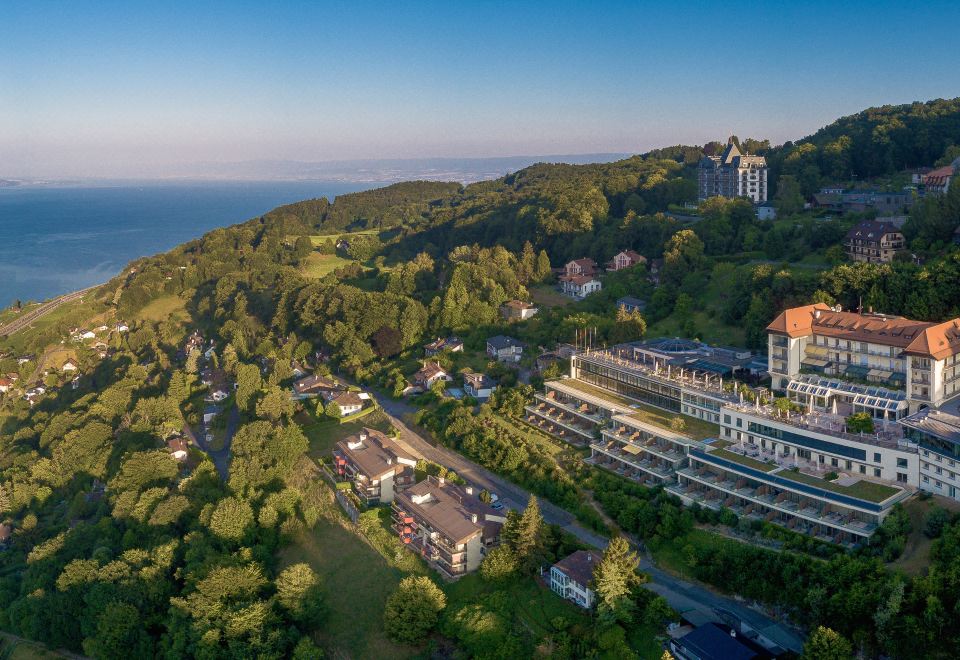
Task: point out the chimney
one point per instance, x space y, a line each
441 480
733 633
469 490
816 314
589 557
474 518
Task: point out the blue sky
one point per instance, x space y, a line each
112 88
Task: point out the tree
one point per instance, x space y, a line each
413 609
387 341
231 519
934 522
615 577
120 634
827 644
275 404
525 535
860 422
788 199
249 383
499 565
683 254
298 592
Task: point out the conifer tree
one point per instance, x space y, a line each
615 577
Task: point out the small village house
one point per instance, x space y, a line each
505 349
479 386
375 464
572 576
517 310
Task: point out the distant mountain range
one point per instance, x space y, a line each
464 170
374 171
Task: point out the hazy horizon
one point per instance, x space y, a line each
114 90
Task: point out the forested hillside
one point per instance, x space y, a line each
115 552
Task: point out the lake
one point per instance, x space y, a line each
56 239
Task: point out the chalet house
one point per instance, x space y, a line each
579 267
570 578
177 448
85 334
937 182
479 386
348 402
447 525
505 349
580 286
194 342
430 373
375 464
70 365
625 259
5 385
210 413
122 327
451 344
631 304
874 241
517 310
313 386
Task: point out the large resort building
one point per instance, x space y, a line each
733 174
794 465
845 362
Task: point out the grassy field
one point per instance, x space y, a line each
163 308
697 429
709 329
318 239
359 581
548 296
318 265
323 434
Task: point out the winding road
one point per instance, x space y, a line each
692 600
26 319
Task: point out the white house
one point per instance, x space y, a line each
505 349
209 414
766 211
430 374
479 386
122 327
348 402
69 365
570 577
580 286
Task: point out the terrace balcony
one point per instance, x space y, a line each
615 451
560 424
583 410
666 450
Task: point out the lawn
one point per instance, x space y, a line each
864 490
318 239
548 296
318 265
323 434
358 581
743 460
697 429
709 329
163 308
915 558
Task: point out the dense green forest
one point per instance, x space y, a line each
117 551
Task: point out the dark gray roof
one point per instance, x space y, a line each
579 566
937 423
501 341
712 642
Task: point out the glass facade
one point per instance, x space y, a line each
633 385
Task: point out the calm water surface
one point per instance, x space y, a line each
58 239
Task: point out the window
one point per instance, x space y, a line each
901 477
876 457
863 469
726 419
822 459
876 472
926 479
901 462
834 462
849 465
739 422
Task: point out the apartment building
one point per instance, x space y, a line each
900 365
641 452
447 525
874 241
937 434
571 576
374 464
733 174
